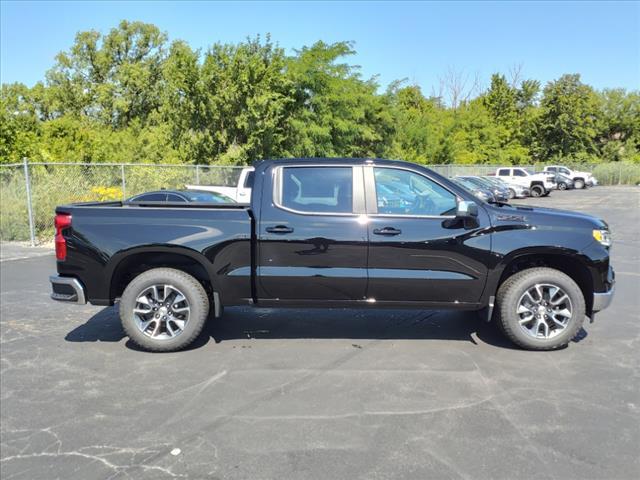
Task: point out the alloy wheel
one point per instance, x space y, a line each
161 312
544 311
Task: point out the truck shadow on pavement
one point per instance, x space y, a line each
241 323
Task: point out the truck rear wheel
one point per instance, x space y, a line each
540 309
537 190
164 309
512 194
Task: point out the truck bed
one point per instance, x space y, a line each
102 234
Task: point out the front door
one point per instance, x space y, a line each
312 243
418 252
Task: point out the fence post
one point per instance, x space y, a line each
124 183
197 174
619 173
27 182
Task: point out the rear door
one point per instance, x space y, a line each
418 251
504 173
312 243
245 185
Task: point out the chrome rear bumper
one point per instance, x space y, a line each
67 289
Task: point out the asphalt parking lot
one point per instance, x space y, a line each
321 394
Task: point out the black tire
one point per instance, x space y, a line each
512 194
537 190
195 295
514 288
579 183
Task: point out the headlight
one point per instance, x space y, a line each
603 236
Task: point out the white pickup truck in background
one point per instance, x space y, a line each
539 184
240 193
580 179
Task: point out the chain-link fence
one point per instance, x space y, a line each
29 192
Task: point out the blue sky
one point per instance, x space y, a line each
419 41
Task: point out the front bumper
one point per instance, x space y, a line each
67 289
602 300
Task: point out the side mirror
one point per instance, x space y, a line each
466 209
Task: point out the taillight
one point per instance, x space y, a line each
63 220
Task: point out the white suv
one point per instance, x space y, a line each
580 179
539 184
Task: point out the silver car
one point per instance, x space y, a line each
515 190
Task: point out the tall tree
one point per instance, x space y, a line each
113 78
568 119
336 112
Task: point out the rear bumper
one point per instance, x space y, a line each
67 289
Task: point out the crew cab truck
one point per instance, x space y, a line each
539 184
580 179
335 233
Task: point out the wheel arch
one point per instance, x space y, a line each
127 265
562 259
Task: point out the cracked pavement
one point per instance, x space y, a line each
311 394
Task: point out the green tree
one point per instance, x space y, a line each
113 78
418 125
619 128
567 125
336 113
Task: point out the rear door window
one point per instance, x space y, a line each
503 172
150 197
317 189
172 197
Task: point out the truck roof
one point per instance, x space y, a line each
334 161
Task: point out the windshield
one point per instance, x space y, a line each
480 182
469 183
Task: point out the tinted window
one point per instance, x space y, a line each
150 197
519 173
402 192
565 171
172 197
318 189
212 197
479 182
248 181
504 172
551 169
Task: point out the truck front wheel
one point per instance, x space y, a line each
164 309
540 308
578 183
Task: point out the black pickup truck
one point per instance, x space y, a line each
335 233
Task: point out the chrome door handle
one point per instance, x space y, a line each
387 231
280 229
